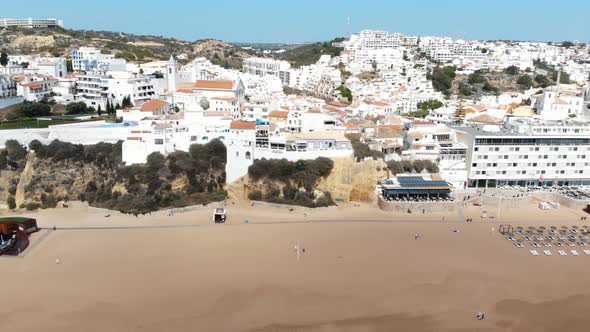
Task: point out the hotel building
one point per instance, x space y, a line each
523 153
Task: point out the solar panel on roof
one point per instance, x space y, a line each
417 181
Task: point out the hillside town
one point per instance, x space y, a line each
274 166
396 94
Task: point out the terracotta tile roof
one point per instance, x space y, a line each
245 125
134 138
279 114
336 104
153 105
74 75
216 85
335 110
380 103
392 127
349 125
479 108
314 111
32 85
285 107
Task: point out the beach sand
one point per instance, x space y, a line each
183 273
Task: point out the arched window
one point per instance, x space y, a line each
248 155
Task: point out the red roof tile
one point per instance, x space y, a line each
216 85
244 125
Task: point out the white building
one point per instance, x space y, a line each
96 89
527 152
90 59
249 142
559 104
265 66
31 22
7 86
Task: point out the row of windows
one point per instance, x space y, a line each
526 156
520 172
529 164
532 141
554 149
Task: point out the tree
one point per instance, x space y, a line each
155 161
204 103
35 109
395 167
99 110
15 151
465 89
127 102
117 107
525 82
512 70
76 108
442 78
431 104
567 44
488 87
11 202
564 78
430 166
345 92
36 146
69 66
476 77
4 59
542 81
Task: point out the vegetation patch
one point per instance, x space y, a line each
293 183
96 174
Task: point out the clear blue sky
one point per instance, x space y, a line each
316 20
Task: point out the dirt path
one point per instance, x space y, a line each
25 178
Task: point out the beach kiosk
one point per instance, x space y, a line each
14 234
219 215
9 225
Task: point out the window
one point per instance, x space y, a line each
248 155
159 141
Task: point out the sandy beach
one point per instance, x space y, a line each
362 270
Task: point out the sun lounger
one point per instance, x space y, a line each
575 253
587 252
562 253
535 253
547 252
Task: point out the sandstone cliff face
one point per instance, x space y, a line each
349 181
352 181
